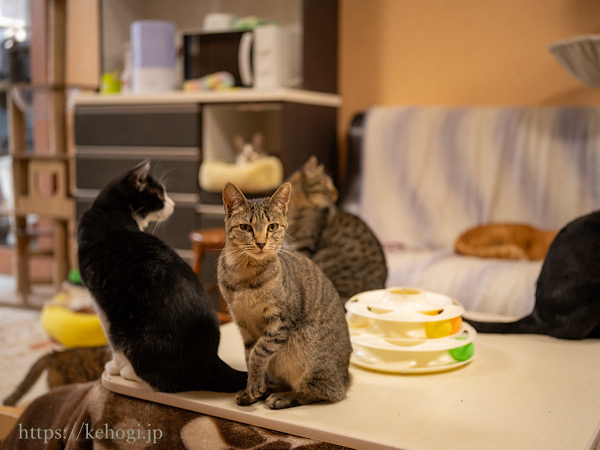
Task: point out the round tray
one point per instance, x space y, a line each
432 355
399 369
403 330
400 346
403 304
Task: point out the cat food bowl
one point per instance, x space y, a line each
405 330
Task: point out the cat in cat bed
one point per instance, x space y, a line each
506 241
254 170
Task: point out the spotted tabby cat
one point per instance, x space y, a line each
74 365
288 312
340 243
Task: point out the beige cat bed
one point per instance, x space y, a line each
257 176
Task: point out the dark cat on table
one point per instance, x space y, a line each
159 320
567 303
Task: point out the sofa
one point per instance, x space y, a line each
421 175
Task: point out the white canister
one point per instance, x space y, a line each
153 54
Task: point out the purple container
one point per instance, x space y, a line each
153 43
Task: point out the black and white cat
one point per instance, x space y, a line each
157 316
567 297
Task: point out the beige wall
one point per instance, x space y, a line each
459 52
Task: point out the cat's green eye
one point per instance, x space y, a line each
273 226
245 227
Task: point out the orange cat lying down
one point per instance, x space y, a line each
505 240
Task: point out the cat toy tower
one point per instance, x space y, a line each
408 330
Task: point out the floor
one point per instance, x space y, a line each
22 339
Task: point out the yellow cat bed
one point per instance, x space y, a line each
67 319
261 175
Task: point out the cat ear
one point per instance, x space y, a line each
258 141
232 197
239 142
312 166
296 177
137 176
281 197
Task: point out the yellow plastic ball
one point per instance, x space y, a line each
438 329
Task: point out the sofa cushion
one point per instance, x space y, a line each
494 286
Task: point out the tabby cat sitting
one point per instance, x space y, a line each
158 318
566 296
74 365
341 244
289 314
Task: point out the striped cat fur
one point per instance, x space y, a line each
288 312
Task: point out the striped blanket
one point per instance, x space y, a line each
429 173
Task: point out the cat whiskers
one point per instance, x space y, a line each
237 253
290 243
161 173
289 247
290 237
155 227
288 254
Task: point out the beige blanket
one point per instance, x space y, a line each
81 416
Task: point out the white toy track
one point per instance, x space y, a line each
408 330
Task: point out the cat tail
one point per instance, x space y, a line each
526 325
227 379
30 379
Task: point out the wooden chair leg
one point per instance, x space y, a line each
61 265
223 313
22 259
209 241
198 251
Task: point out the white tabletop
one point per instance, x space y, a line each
519 392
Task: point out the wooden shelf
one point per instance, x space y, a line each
240 95
8 85
19 155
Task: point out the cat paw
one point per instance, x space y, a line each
257 386
244 398
128 373
251 394
112 367
279 401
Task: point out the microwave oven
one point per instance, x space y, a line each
267 56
